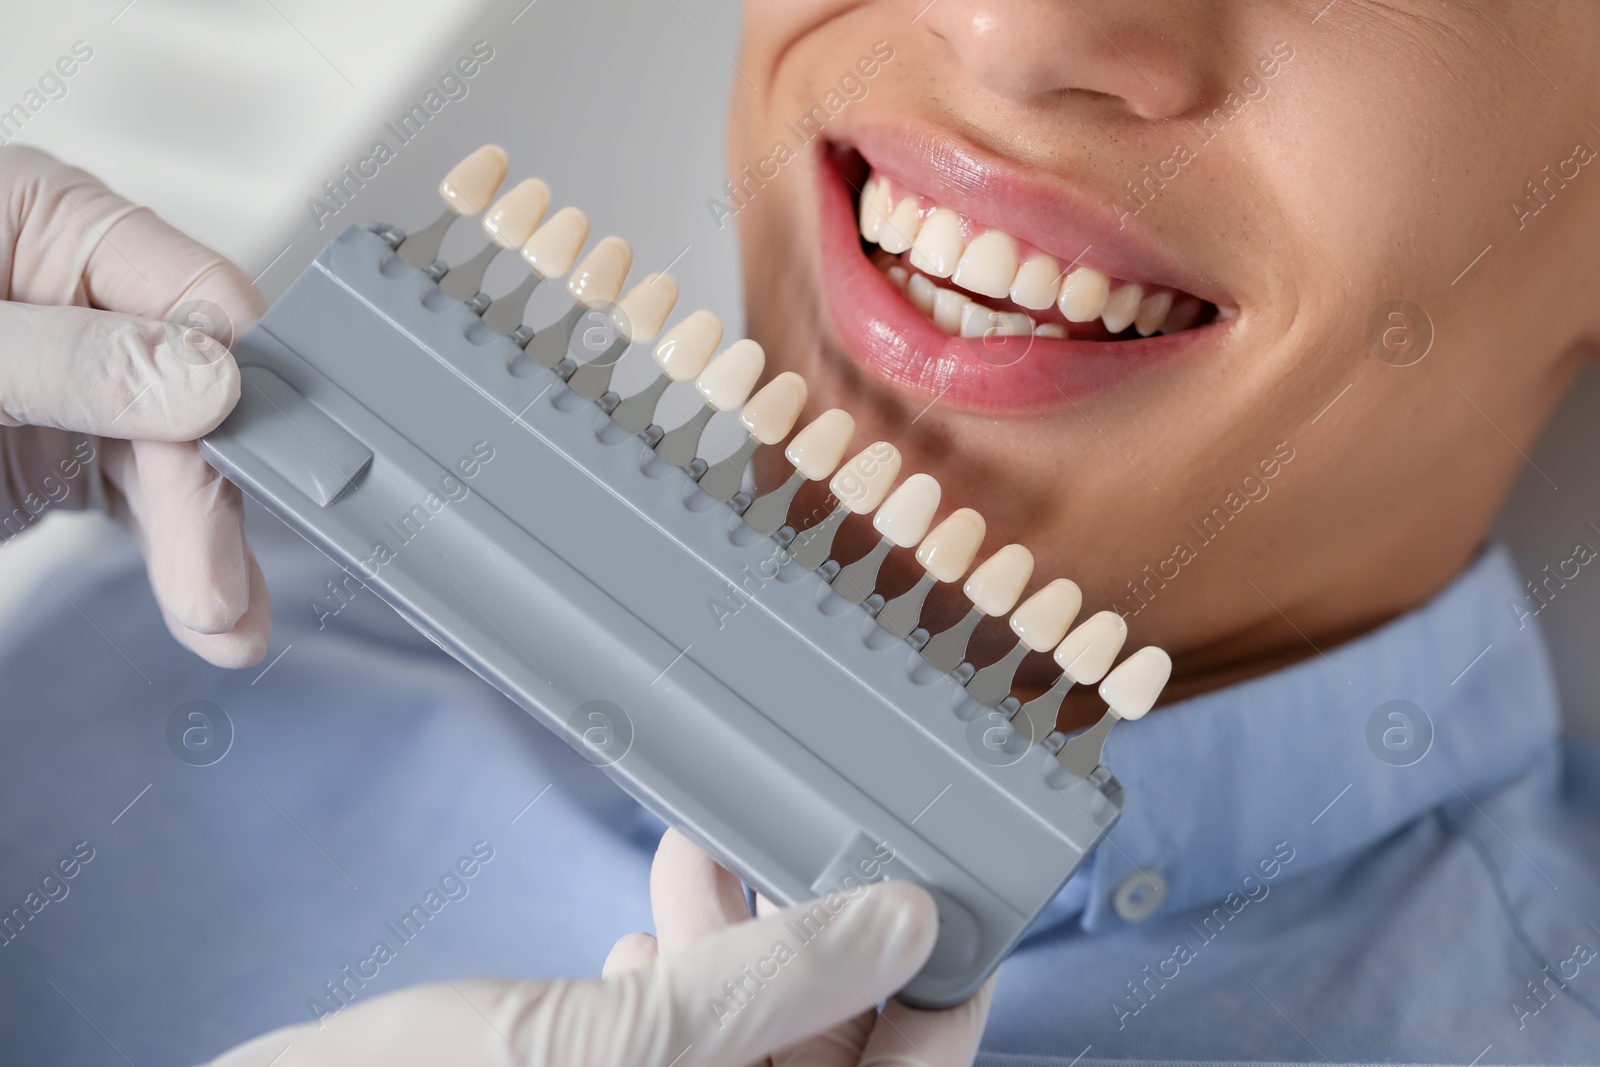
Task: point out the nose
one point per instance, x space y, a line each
1029 52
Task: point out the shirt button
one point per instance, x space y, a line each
1139 895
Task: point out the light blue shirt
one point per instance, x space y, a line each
1299 875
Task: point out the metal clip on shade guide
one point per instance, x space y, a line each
993 589
1129 691
860 487
902 521
723 386
1040 624
466 190
945 555
682 354
508 223
815 453
637 318
767 419
593 285
1084 656
549 253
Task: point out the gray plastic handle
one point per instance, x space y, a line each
731 693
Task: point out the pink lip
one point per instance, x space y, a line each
883 332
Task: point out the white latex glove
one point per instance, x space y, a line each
653 1008
100 400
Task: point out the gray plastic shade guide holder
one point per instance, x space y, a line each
557 557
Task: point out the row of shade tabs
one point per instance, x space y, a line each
902 514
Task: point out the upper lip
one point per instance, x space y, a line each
1058 214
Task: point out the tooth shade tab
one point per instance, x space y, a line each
1084 293
1042 620
817 449
771 413
1086 653
862 483
1122 307
512 219
555 245
597 280
1133 685
905 517
989 265
1037 283
999 580
727 382
938 246
1152 312
686 349
471 184
949 550
875 208
640 315
899 230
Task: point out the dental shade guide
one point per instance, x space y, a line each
509 222
749 688
1040 624
814 453
466 190
549 253
594 285
1084 656
637 318
902 521
1129 691
767 419
859 487
723 386
681 355
945 555
993 589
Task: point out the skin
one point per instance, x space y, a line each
1385 158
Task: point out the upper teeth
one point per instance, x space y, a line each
989 266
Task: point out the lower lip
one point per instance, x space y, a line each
889 337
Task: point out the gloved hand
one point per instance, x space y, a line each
101 400
666 1002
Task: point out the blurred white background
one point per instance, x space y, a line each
227 118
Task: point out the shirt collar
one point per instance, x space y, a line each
1309 759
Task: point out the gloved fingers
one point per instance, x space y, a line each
798 973
765 907
838 1047
192 520
245 644
146 266
111 374
74 241
907 1037
691 896
456 1023
766 984
632 952
163 523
